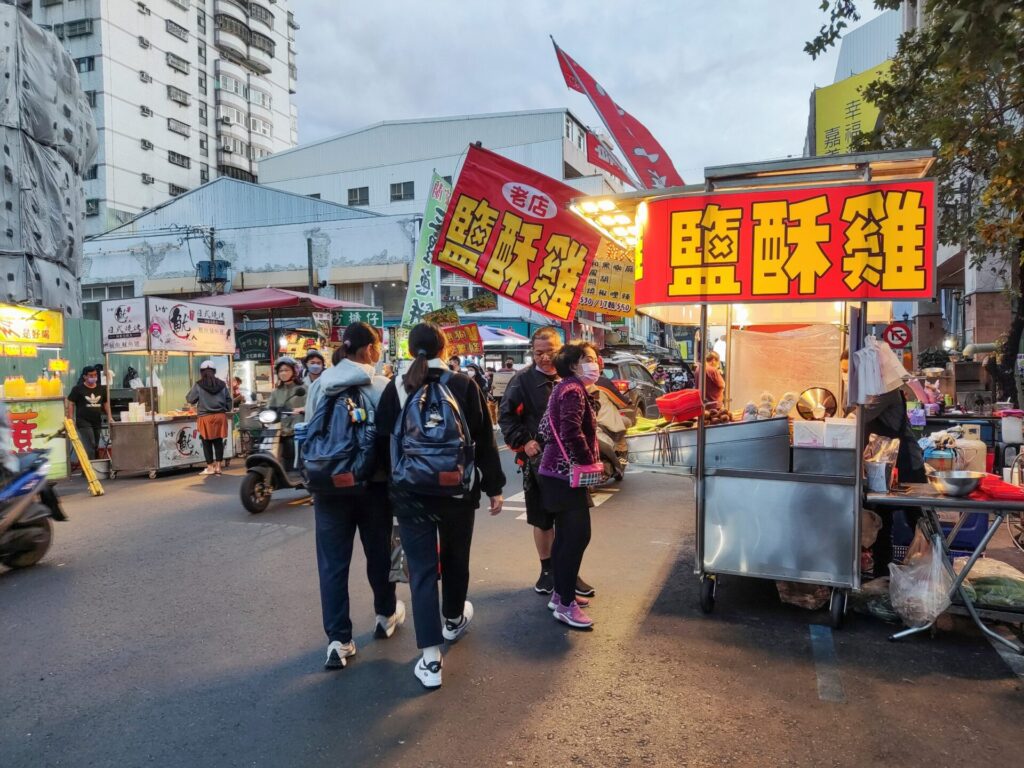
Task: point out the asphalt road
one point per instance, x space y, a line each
169 627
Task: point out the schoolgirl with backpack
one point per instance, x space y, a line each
435 431
349 488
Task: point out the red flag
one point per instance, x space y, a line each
647 157
601 155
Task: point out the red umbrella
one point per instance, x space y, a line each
276 298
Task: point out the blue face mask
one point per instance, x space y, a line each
314 368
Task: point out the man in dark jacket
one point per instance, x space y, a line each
522 406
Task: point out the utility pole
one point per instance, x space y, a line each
213 264
309 264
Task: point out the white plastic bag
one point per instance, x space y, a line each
892 370
920 587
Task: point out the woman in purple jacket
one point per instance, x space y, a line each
570 417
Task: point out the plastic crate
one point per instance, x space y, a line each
967 538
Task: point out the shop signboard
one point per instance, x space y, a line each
30 325
857 242
610 284
253 345
179 445
341 318
123 325
35 426
841 112
443 316
424 293
179 326
463 340
508 229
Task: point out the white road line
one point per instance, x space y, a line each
516 497
826 665
522 516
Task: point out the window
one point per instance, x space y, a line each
175 158
145 111
402 191
144 9
48 3
177 30
91 173
90 96
92 295
174 190
262 127
178 127
359 196
183 4
202 82
204 145
264 43
92 207
147 179
235 173
204 173
77 28
202 53
177 62
258 153
233 26
146 144
232 84
260 13
85 64
201 20
262 98
202 114
230 115
230 145
145 77
178 95
143 42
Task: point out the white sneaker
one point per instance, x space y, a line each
207 471
429 673
338 652
452 630
386 625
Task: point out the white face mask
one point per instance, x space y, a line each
589 372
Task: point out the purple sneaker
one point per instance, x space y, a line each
573 615
555 600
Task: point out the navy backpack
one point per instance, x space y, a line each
339 454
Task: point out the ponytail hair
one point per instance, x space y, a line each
356 336
426 341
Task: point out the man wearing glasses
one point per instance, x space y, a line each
523 405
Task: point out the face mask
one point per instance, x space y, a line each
90 381
588 372
471 373
314 368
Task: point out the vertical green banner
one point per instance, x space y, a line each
425 281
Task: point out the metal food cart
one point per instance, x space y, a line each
732 241
160 329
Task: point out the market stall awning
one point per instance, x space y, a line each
276 298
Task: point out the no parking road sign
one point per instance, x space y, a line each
897 335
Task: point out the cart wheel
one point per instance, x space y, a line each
837 608
152 474
707 592
113 474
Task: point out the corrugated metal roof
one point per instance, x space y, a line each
227 203
394 142
869 45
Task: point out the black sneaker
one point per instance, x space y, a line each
583 589
545 584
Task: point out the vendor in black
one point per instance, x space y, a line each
87 402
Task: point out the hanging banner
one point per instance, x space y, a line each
444 317
39 426
601 155
178 326
508 229
123 325
610 285
837 243
649 160
463 340
424 293
31 325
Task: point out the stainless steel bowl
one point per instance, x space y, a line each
955 483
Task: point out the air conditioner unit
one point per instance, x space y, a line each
147 144
227 150
145 77
226 120
147 179
143 42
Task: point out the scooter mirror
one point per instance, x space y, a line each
268 416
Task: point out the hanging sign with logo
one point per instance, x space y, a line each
179 326
30 325
253 345
424 293
464 340
123 325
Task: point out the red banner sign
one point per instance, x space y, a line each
601 155
463 340
842 243
507 228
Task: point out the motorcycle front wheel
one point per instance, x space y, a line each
42 530
255 492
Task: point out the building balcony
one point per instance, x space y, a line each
258 110
231 45
236 130
233 9
232 99
259 60
233 160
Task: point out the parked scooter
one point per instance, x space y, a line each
28 503
265 470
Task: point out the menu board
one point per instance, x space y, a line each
179 326
123 325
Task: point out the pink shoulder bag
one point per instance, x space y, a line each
580 475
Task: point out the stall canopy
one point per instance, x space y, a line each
276 298
501 336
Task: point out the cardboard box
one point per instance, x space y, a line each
808 433
840 433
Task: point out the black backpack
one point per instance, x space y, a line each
338 453
432 451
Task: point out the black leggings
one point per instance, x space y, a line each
288 452
213 448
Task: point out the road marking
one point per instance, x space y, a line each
516 497
522 516
826 665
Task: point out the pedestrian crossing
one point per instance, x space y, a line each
517 501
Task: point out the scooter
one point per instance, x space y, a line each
265 472
28 503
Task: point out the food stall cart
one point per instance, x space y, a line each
163 332
792 234
31 344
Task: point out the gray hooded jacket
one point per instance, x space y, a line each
339 378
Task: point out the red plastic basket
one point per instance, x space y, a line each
680 406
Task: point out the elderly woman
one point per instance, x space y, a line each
212 399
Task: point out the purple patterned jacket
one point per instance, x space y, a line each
570 412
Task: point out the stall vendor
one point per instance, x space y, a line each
714 383
213 401
87 402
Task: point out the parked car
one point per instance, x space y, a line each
634 382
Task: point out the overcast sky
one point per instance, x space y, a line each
716 82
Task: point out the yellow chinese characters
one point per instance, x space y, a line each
514 253
885 241
468 234
559 275
704 251
787 241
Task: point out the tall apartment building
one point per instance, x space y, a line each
183 91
